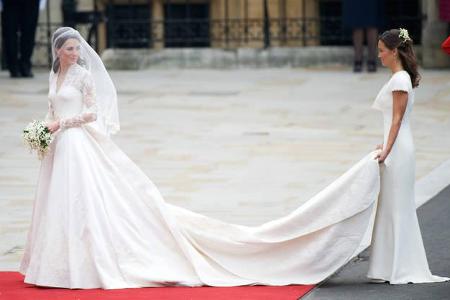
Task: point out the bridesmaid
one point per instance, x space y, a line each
398 254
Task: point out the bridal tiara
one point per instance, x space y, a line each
404 35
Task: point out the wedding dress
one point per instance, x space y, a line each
398 254
99 222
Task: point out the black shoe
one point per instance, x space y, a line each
25 69
357 66
371 66
27 73
14 74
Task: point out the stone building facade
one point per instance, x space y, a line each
229 25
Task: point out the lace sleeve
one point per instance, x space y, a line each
50 117
89 113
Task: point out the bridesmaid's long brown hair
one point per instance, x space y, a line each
392 40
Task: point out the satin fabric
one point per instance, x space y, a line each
99 222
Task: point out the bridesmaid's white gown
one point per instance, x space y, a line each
397 253
99 222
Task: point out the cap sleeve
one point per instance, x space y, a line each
400 82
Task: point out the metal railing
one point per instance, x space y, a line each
219 33
226 33
129 24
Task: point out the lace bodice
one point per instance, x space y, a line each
73 104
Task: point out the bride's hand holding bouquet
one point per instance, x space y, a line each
38 136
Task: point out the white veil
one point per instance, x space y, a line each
106 96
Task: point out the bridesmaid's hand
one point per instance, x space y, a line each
381 156
379 147
53 126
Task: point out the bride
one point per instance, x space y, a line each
99 222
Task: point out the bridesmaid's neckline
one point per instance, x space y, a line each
398 72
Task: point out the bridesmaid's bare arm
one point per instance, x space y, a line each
400 100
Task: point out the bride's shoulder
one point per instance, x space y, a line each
83 74
80 70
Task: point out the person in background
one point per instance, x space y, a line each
19 16
444 12
363 18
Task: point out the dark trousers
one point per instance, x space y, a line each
19 21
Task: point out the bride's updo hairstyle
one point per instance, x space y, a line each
60 36
400 40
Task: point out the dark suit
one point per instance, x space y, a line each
362 13
19 16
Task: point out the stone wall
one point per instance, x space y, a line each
434 33
275 57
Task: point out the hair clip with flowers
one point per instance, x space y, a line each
404 35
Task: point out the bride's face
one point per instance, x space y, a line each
69 52
386 55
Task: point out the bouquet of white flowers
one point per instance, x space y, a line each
38 137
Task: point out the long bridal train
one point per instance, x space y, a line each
99 222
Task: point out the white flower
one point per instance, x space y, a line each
404 35
37 136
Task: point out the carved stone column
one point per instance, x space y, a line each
434 32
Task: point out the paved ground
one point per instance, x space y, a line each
350 282
245 146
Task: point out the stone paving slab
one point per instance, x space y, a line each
244 146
